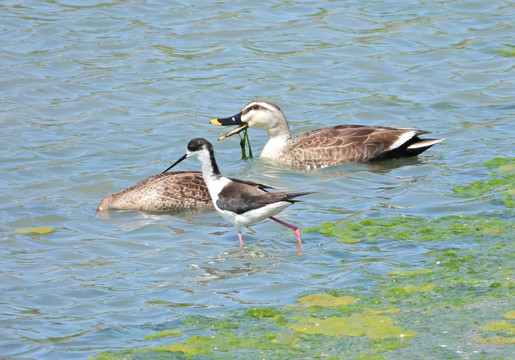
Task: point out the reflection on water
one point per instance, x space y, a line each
98 96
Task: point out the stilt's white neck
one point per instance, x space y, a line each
212 177
208 162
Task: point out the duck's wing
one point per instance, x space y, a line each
358 143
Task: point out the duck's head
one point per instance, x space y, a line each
259 113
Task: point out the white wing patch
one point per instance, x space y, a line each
425 143
402 139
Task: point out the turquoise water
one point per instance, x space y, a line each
96 96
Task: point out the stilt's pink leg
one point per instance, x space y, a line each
294 228
240 238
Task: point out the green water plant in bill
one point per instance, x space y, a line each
245 140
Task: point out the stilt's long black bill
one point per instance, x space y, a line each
175 163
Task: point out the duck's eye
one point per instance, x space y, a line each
255 107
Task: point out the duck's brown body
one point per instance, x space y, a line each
160 193
350 144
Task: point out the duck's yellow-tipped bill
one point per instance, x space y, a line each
215 122
234 131
233 120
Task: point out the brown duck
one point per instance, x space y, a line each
160 193
328 146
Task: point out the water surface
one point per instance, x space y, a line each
96 96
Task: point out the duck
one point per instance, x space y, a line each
328 146
171 191
239 202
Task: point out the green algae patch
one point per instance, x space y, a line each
177 348
35 230
326 300
164 333
350 233
502 163
499 326
509 315
501 184
380 312
497 340
384 345
225 325
503 329
415 228
262 312
410 273
414 288
371 326
169 352
478 188
217 345
507 52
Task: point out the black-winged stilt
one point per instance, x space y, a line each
239 202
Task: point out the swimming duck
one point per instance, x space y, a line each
240 202
169 191
328 146
159 193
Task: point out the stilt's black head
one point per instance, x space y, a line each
195 148
199 143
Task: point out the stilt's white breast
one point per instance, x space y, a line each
255 216
215 185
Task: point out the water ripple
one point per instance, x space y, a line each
97 96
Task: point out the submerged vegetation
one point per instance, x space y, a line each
245 140
500 185
458 305
38 231
412 228
508 52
